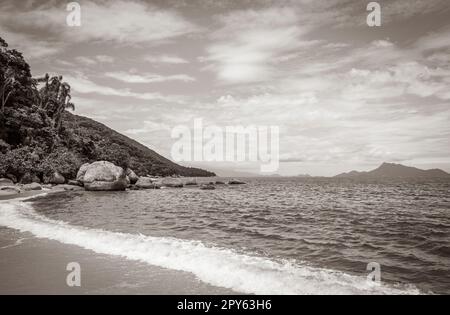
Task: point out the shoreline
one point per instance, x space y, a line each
30 265
27 195
33 265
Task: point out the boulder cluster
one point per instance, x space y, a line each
105 176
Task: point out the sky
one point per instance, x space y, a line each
344 95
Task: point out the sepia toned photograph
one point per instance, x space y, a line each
224 152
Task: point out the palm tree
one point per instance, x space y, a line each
55 98
7 88
42 96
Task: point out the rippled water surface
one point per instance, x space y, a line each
333 224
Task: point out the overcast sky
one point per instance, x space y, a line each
345 95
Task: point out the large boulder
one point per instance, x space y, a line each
132 176
57 179
7 191
32 186
104 176
12 177
172 182
6 182
147 183
81 172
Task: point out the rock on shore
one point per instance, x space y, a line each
147 183
6 182
102 176
172 182
236 182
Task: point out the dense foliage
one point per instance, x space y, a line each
38 136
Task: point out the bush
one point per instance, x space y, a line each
20 161
62 160
114 153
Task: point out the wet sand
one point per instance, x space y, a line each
29 265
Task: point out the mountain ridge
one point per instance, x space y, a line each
393 170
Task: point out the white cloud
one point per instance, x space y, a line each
168 59
148 127
121 22
245 46
81 84
148 77
90 61
105 58
86 60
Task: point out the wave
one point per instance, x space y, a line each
214 265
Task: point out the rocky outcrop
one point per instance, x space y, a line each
55 179
81 172
147 183
67 188
74 183
104 176
132 176
32 186
6 182
6 191
172 183
236 182
12 177
208 186
191 182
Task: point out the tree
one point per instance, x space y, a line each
16 83
7 87
55 98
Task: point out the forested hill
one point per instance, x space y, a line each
116 147
38 137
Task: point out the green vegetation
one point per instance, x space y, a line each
38 136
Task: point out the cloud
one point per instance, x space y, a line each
120 22
167 59
82 85
148 127
148 77
86 60
105 58
248 41
90 61
434 41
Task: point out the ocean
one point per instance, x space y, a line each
270 236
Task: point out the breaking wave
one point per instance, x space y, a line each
214 265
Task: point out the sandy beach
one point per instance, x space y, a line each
29 265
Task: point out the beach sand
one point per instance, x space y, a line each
29 265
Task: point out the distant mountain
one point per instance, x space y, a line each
223 172
303 176
391 170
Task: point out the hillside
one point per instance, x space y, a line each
39 137
140 158
391 170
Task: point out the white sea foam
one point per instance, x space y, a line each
217 266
